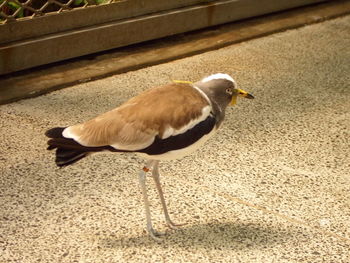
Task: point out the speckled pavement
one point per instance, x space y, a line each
272 186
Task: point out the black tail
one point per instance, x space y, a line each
68 151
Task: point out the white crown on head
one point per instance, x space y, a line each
218 76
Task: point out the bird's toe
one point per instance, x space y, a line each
155 235
173 225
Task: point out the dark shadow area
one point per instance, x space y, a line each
214 235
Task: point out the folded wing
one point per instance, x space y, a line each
156 114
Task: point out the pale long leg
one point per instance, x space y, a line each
142 177
155 175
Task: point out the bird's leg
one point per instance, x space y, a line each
142 177
155 175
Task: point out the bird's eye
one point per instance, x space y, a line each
229 91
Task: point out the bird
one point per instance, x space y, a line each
161 123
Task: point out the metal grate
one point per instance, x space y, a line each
12 10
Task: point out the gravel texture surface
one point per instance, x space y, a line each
272 186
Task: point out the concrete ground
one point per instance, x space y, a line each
272 186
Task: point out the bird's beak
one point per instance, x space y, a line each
241 93
245 94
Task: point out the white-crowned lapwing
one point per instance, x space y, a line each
162 123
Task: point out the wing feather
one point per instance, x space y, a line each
158 112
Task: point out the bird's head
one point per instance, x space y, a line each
222 88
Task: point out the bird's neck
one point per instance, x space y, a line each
218 111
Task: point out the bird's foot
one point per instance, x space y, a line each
155 235
173 225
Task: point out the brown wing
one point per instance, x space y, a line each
135 124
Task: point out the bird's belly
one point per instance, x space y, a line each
177 154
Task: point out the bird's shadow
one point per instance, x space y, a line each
209 236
